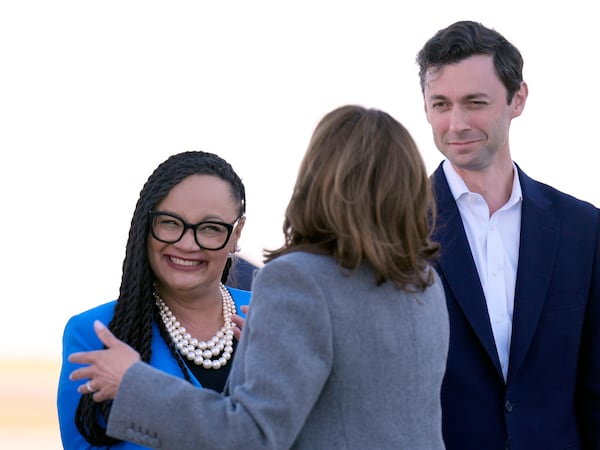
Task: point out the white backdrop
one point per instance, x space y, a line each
94 95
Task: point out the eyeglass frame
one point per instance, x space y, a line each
194 227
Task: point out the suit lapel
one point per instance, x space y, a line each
457 267
537 253
163 359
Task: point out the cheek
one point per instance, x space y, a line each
428 115
217 261
438 124
154 253
222 255
434 117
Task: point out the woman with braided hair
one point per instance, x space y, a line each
173 307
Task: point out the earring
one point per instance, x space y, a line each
238 249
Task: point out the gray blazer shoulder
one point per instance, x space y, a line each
327 360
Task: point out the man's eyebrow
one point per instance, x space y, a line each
475 95
437 97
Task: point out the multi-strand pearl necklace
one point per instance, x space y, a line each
203 353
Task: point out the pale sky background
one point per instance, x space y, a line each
94 95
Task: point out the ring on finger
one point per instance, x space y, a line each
88 386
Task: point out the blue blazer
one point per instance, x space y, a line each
79 336
551 399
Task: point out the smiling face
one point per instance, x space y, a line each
466 105
183 268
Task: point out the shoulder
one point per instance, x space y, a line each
547 196
301 261
82 323
435 291
298 268
240 296
100 312
301 273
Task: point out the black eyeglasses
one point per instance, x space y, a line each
209 235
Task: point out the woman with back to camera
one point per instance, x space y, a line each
346 340
184 231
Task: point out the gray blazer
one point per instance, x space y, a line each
326 361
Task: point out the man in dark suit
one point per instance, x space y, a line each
520 262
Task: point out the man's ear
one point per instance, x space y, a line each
519 100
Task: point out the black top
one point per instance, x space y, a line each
212 378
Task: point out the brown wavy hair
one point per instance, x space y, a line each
363 195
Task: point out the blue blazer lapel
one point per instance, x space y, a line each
537 254
457 268
164 360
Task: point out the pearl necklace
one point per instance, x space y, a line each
203 353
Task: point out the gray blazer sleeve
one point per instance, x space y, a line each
280 367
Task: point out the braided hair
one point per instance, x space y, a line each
135 308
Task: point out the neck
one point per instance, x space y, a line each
212 352
201 313
493 183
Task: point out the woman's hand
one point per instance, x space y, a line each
239 322
105 368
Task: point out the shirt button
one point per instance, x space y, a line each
508 406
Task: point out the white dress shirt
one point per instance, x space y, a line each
494 242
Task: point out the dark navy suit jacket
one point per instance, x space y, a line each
241 274
551 399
